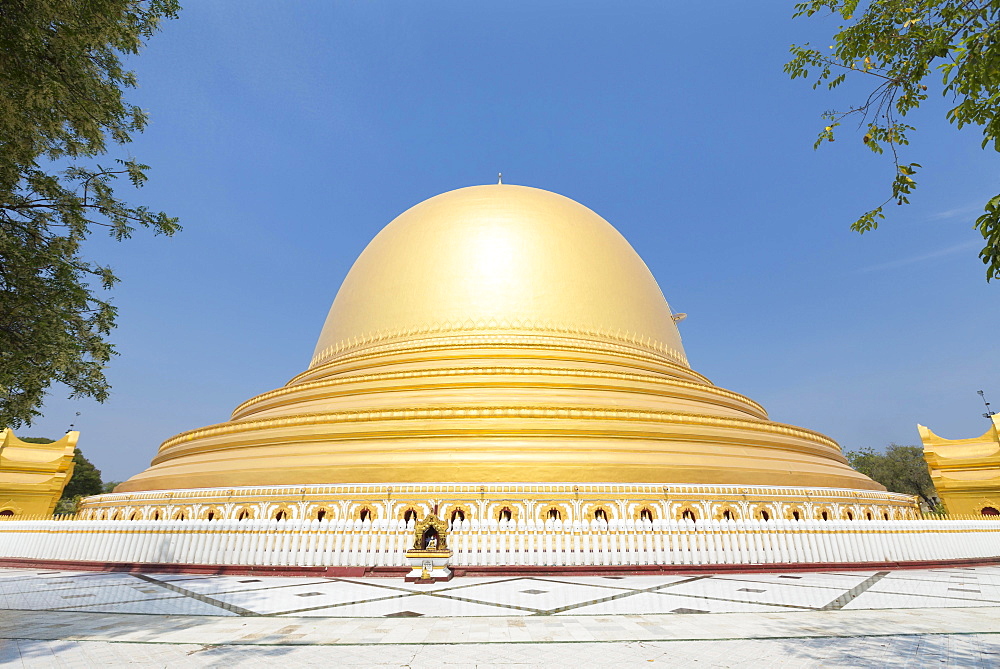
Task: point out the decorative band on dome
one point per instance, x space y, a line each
496 411
395 488
498 326
296 389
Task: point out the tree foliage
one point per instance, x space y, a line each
899 469
901 45
61 105
36 440
86 479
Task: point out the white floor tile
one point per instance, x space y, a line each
426 605
620 582
84 596
177 605
219 584
950 588
881 600
806 579
537 595
306 596
765 593
657 602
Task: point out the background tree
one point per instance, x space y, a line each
61 103
85 481
899 469
900 45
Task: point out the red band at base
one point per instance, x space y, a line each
484 570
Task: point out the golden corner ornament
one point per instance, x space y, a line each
966 472
32 476
500 353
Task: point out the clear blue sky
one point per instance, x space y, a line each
285 135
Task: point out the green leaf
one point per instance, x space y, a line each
62 82
897 45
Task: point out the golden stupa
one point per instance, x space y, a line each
499 349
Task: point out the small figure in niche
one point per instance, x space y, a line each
430 526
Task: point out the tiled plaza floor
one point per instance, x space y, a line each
907 618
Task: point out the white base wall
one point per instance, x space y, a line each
383 543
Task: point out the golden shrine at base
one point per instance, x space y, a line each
32 475
966 472
500 351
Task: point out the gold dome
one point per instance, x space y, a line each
499 334
499 257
